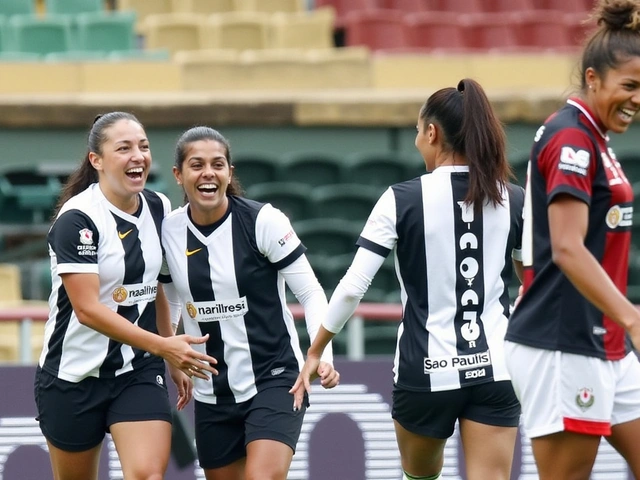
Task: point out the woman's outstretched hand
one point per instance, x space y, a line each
177 351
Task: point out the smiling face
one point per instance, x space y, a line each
123 163
205 174
615 96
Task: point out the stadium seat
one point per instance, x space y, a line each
161 54
106 31
290 197
456 6
325 236
347 201
579 26
338 68
254 168
273 6
544 30
489 31
344 7
27 195
435 30
174 32
73 6
313 29
507 6
212 69
376 29
76 56
238 30
275 69
375 169
405 6
204 7
20 57
5 41
567 6
312 168
17 7
144 8
41 35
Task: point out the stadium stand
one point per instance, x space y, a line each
174 31
378 169
40 35
435 30
305 30
73 6
106 31
290 197
312 168
346 201
17 7
239 30
144 8
376 29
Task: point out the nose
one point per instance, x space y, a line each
137 154
208 171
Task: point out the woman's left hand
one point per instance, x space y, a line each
183 384
329 376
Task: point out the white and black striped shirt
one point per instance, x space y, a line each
228 276
90 235
454 268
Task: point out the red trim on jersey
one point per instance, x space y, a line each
586 427
527 280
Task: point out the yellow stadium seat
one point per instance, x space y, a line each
276 69
348 67
174 31
131 75
271 6
238 30
144 8
205 7
209 69
26 77
313 29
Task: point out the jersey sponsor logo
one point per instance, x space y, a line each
615 174
192 252
597 330
282 242
86 236
123 235
461 362
277 371
618 216
576 161
469 268
160 380
539 134
585 398
87 248
218 311
133 294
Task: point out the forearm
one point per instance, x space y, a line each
320 342
163 314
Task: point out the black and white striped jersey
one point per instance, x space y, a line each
90 235
227 276
454 267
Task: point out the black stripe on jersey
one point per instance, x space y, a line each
516 205
412 262
292 257
470 335
201 288
156 207
133 273
373 247
56 341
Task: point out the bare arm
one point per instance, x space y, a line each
568 222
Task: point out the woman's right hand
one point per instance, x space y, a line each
177 350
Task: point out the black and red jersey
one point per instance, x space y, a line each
571 156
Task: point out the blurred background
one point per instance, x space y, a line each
319 99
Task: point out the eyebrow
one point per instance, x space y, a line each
219 157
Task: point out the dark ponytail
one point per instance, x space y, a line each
472 130
85 174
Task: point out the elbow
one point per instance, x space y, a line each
83 315
562 255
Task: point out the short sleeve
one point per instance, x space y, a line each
379 234
74 240
276 238
568 164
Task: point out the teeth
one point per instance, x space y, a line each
208 186
135 170
628 112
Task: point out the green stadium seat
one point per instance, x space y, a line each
20 57
41 35
254 168
17 7
314 169
328 236
106 31
347 201
27 195
75 56
377 169
73 6
160 55
290 197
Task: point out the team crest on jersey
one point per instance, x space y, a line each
119 295
86 236
191 310
619 216
585 398
576 161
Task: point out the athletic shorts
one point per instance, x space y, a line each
434 414
574 393
75 416
224 430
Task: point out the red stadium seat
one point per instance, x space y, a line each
567 6
406 6
435 30
457 6
543 29
344 7
376 29
506 6
489 31
579 26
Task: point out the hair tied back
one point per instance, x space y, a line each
461 86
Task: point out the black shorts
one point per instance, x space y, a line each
224 430
434 414
75 416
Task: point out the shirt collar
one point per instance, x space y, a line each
586 111
452 168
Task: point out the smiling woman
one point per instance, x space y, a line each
573 323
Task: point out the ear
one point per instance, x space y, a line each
177 174
591 79
432 133
231 169
95 160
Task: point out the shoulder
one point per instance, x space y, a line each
157 199
175 216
